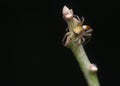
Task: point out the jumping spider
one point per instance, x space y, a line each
82 33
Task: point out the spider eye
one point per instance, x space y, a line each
86 27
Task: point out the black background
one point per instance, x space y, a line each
34 54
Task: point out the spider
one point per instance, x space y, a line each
82 33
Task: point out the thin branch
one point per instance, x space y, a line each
74 41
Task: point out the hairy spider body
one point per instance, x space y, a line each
82 33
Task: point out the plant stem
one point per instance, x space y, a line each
82 59
89 70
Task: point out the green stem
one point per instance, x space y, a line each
89 70
82 59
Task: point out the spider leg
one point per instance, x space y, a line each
82 39
77 17
68 39
79 42
67 29
69 34
76 39
88 34
89 31
88 38
82 20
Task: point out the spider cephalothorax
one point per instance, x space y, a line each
82 33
